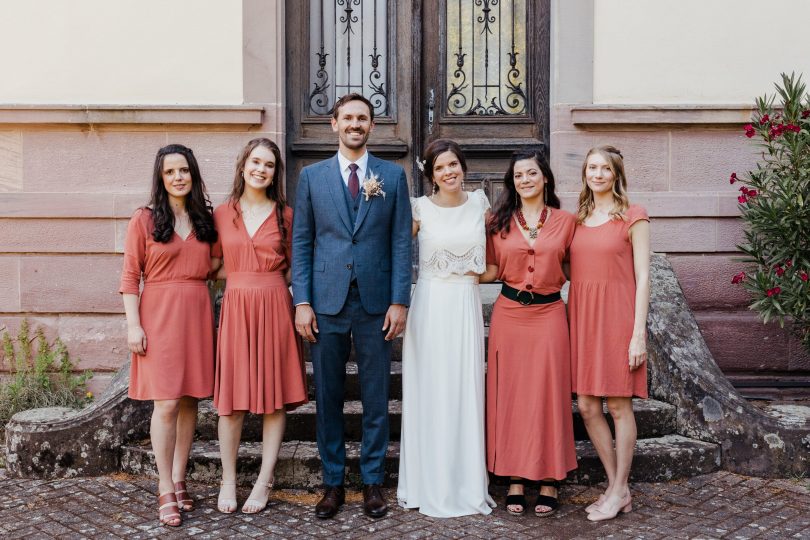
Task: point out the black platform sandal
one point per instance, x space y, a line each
545 500
517 500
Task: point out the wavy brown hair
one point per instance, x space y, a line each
273 191
509 201
621 202
198 206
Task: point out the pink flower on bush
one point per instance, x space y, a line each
765 118
774 291
779 270
741 199
738 278
733 178
751 193
788 263
803 276
749 130
793 127
776 131
805 114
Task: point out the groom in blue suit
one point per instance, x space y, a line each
351 280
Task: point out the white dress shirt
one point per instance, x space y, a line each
362 166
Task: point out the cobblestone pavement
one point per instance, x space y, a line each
718 505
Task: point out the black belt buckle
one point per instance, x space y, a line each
525 302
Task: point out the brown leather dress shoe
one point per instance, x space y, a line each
333 498
374 504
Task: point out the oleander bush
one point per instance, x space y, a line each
39 374
775 203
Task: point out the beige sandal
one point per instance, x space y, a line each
168 517
226 506
184 499
256 503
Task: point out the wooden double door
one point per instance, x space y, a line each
476 71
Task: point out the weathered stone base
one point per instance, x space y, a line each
63 443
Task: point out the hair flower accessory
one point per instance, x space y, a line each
420 164
373 186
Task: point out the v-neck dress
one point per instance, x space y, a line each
259 365
602 307
530 430
175 312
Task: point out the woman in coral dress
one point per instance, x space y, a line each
259 366
530 432
170 326
442 462
607 306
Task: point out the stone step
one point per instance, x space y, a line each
659 459
653 419
353 383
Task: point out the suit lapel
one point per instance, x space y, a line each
372 167
335 181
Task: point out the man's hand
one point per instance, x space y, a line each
136 340
395 321
305 322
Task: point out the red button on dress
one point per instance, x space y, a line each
531 252
531 269
528 286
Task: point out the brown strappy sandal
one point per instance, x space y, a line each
167 516
184 500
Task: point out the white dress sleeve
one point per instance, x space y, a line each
482 200
417 216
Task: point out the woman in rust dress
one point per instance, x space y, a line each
607 306
170 326
259 362
530 433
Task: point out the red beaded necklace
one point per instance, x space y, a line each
540 222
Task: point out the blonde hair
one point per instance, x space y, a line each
615 161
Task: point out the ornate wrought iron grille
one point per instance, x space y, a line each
486 57
348 53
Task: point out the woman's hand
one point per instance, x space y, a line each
136 340
637 351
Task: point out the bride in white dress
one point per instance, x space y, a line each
442 466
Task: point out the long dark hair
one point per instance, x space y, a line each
509 200
198 205
273 191
433 151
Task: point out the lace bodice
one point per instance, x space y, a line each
451 240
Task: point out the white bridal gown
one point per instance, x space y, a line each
442 466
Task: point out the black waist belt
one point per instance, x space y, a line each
528 298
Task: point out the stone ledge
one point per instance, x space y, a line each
605 115
131 114
299 464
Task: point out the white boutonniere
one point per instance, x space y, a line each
373 186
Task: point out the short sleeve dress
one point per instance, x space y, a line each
601 309
259 365
530 430
175 312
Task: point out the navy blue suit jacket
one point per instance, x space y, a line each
326 245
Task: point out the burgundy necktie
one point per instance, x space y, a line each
354 182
